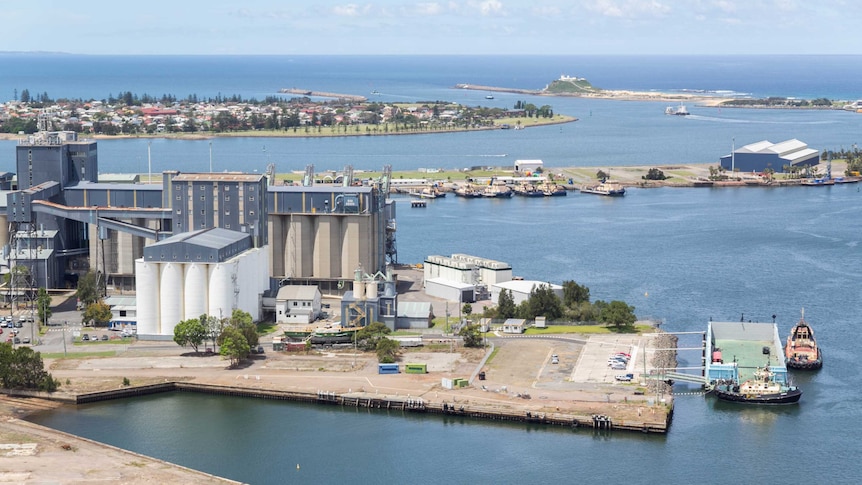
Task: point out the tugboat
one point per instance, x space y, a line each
606 187
761 389
801 351
528 190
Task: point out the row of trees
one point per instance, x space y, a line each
574 306
22 368
530 110
235 336
90 293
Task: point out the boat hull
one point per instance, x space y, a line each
787 397
608 193
805 364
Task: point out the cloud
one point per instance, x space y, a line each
488 7
350 10
431 8
628 8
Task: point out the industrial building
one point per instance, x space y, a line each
297 304
757 157
63 221
462 277
521 289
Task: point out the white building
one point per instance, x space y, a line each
527 166
210 271
463 268
521 289
297 304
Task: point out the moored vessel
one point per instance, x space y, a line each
606 187
762 388
528 190
550 189
678 111
801 350
467 191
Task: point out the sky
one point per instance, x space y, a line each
446 27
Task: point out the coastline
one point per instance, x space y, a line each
347 380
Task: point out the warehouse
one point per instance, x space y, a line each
757 157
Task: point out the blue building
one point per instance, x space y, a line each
757 157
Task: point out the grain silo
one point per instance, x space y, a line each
211 271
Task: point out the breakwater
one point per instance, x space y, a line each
402 403
322 94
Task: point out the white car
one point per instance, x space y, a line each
618 366
555 359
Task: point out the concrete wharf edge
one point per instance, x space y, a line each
372 401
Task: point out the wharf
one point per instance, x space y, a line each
464 408
418 203
322 94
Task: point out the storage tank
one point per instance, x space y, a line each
147 295
220 297
371 290
359 290
170 297
195 291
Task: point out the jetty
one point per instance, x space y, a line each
323 94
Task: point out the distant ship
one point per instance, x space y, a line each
678 111
375 92
489 97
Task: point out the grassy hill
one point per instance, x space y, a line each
571 86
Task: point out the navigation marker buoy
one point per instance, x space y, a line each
297 466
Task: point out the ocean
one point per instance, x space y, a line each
681 255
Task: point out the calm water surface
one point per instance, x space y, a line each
684 255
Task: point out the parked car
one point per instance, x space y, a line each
555 359
16 340
18 324
25 340
618 366
104 337
624 377
85 337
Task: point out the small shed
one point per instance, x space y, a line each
297 304
514 325
414 314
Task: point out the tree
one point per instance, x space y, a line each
601 175
506 304
25 95
191 332
543 302
387 350
654 174
617 313
97 314
574 294
22 368
368 337
245 324
43 305
89 289
467 309
471 335
233 345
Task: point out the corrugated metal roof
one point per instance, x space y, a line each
111 186
525 286
414 309
756 147
787 146
324 189
218 177
296 292
213 237
802 155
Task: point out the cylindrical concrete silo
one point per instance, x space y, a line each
147 296
170 297
220 296
196 291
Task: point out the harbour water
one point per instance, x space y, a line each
682 255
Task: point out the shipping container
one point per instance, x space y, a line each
416 368
387 368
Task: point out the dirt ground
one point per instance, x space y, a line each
520 377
